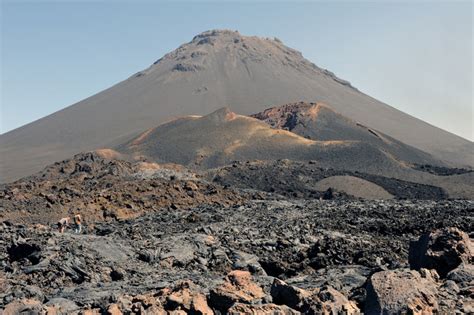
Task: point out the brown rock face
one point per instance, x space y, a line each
442 250
25 306
331 301
113 309
402 291
146 304
185 297
238 288
324 300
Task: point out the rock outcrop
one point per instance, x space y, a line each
401 291
237 288
443 250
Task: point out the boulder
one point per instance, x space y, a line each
325 300
291 296
443 250
24 306
138 304
246 261
155 310
178 251
331 301
237 288
462 275
113 309
186 297
401 291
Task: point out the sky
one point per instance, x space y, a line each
416 56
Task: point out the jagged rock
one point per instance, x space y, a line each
460 286
32 292
430 274
442 250
324 300
138 304
113 309
263 309
154 310
291 296
25 306
246 261
399 291
331 301
179 251
237 288
451 287
463 275
186 297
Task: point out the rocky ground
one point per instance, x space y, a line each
261 257
249 238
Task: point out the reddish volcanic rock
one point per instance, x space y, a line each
237 288
186 297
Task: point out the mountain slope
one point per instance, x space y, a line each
216 67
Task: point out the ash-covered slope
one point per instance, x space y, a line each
317 121
223 136
248 74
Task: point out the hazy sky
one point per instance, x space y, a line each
415 56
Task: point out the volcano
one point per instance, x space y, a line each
222 137
217 68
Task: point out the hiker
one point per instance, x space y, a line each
77 224
63 224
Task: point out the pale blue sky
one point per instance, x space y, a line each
415 56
